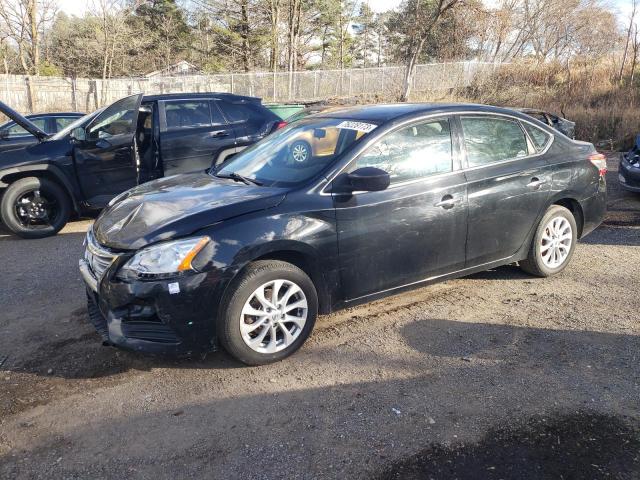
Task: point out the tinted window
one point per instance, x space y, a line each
412 152
538 137
238 112
488 140
194 113
18 131
62 122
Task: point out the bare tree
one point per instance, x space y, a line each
421 16
629 31
24 23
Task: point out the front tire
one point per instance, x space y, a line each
35 207
553 244
267 313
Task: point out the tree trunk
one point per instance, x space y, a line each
410 71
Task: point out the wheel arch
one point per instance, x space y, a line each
50 172
302 256
575 208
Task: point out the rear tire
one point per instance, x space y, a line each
253 332
24 201
553 243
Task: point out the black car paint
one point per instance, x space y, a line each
355 247
93 172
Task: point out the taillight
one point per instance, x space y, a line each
280 125
600 161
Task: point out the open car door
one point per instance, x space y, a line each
104 152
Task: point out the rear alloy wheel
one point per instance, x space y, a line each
269 312
553 244
35 207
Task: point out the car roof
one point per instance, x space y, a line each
382 113
175 96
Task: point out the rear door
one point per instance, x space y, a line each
105 160
193 133
508 181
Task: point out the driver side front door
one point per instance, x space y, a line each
416 228
105 159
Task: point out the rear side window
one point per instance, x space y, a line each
488 140
539 137
184 114
412 152
18 131
238 112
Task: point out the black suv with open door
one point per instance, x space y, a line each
134 140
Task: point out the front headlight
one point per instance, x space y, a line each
165 259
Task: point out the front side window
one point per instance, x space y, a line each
296 153
18 131
488 140
539 137
185 114
119 118
412 152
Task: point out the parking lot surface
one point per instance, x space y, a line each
498 375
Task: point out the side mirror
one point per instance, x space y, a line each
4 134
369 179
79 134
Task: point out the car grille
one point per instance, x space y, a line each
98 257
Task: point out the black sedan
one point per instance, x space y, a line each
392 197
13 134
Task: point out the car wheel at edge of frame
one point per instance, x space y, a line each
553 243
35 207
268 312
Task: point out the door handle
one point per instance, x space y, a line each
219 133
447 202
535 183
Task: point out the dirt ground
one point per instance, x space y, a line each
498 375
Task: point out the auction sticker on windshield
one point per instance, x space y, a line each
359 126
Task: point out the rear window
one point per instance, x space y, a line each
539 137
63 122
489 139
239 111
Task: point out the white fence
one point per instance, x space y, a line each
36 94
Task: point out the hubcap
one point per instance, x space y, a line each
34 210
556 241
273 317
299 153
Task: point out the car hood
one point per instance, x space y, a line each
22 121
177 206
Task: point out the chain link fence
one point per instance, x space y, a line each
40 94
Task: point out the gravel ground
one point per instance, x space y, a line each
498 375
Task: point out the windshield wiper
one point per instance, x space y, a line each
240 178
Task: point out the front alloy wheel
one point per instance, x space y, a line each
267 313
274 316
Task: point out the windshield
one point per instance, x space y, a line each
296 153
78 123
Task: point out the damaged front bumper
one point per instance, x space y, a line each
149 316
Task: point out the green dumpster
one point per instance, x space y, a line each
284 110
